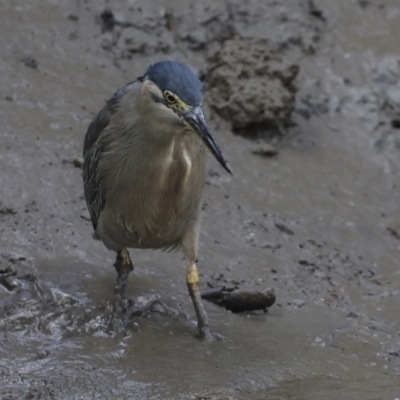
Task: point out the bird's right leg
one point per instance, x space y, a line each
123 266
189 246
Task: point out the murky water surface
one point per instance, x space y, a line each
319 222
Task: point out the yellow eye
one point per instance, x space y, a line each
169 97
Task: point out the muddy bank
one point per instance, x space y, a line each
313 213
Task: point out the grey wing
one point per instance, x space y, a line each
92 150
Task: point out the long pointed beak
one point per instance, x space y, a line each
195 118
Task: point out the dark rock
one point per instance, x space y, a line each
395 123
29 61
107 20
284 229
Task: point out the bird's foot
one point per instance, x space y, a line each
125 311
139 307
118 321
206 335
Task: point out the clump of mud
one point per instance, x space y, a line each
251 87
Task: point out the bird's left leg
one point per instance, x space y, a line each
190 245
123 266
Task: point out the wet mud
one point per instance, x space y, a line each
304 99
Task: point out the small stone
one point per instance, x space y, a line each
78 162
250 237
298 302
352 315
16 257
283 228
85 216
42 354
73 17
265 150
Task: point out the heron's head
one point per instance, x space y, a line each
177 92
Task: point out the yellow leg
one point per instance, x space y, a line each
192 280
189 247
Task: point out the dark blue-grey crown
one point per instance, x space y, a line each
178 79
